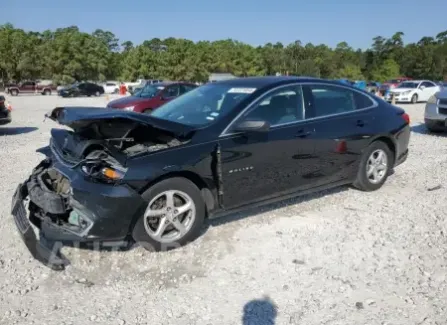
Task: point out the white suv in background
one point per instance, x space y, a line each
413 91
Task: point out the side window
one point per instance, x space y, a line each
329 100
361 101
282 106
186 88
428 84
172 91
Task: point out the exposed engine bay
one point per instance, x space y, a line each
112 141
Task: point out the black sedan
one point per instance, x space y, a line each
82 89
5 113
153 179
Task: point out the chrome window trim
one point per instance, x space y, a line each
300 84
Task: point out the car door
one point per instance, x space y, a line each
429 90
28 87
81 90
343 120
263 165
424 91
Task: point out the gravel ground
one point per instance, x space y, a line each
340 257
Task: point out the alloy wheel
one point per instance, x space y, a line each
377 166
169 216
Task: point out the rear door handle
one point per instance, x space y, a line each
360 123
303 133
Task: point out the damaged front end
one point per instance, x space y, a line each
81 192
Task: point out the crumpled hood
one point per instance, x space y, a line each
81 117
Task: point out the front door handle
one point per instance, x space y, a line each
303 133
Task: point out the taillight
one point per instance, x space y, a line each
406 117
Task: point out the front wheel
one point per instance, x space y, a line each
173 217
375 167
414 99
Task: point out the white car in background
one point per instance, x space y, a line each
111 87
413 91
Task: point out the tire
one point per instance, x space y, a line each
414 99
147 111
14 92
144 232
97 94
363 181
47 92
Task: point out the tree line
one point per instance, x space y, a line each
68 54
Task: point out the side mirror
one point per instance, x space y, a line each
253 126
422 87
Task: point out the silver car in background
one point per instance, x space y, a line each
436 112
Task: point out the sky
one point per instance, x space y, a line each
251 21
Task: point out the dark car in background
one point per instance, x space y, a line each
82 89
151 96
224 146
5 113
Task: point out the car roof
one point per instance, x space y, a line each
167 83
269 81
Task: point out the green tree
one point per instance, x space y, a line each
387 70
67 54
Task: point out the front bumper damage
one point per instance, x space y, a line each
69 210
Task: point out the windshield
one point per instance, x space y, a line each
203 105
408 85
148 91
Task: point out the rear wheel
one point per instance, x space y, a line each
375 167
173 217
47 92
97 94
414 99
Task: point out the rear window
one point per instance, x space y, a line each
362 101
329 100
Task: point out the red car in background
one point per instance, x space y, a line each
151 96
390 84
